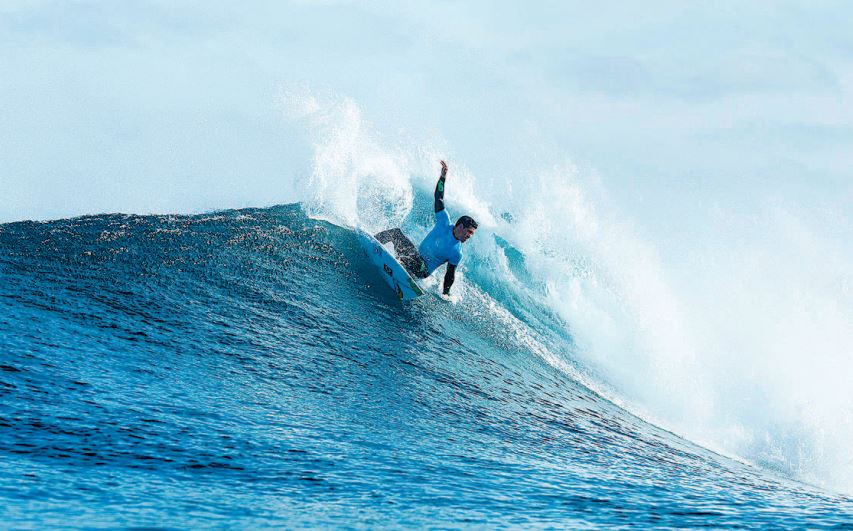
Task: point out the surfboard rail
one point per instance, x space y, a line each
393 272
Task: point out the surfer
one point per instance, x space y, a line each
442 244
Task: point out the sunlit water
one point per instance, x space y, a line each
250 369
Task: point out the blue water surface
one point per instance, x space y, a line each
249 369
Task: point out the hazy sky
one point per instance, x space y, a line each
171 106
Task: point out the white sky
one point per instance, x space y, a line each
170 106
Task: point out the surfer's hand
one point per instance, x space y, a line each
443 168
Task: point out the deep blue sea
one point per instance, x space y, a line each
250 369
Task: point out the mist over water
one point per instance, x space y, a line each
678 179
734 345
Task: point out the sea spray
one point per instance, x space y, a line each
706 368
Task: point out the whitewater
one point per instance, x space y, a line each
651 326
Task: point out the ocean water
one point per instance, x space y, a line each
249 369
651 327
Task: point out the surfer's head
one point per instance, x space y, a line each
465 228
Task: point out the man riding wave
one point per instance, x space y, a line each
442 244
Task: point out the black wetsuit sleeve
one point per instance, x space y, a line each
439 193
449 276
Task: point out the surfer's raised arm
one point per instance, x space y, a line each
439 189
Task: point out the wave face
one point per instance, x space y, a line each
666 200
248 368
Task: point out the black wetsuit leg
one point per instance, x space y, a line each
406 252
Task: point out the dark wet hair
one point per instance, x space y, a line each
467 222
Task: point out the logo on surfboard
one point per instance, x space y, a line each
396 276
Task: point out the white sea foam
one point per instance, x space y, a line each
739 343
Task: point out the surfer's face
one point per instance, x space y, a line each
462 234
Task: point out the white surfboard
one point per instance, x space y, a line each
392 271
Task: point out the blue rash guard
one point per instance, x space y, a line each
440 245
